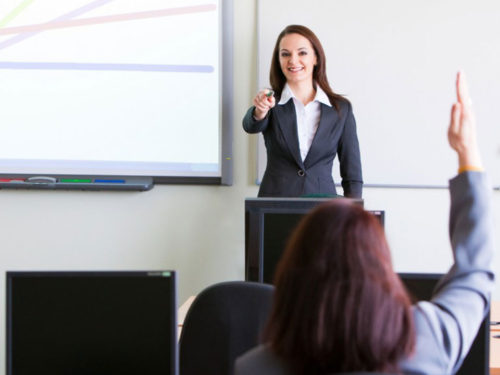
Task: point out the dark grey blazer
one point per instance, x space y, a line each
286 174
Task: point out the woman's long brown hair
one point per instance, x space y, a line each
278 79
338 304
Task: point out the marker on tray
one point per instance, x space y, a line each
75 180
12 180
108 181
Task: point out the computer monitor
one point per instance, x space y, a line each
268 225
421 286
84 323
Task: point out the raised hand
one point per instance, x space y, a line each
462 129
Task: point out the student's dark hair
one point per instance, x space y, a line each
338 304
278 79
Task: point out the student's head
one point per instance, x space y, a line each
338 304
308 39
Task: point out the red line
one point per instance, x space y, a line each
107 19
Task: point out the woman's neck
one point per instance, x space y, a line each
303 91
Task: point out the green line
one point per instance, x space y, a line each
15 12
76 180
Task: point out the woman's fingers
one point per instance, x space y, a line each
454 128
272 101
266 97
462 129
263 102
463 95
462 89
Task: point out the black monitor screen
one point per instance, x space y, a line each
421 287
84 323
277 229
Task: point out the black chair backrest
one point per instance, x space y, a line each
224 321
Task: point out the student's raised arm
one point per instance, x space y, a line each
447 325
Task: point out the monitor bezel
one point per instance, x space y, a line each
257 208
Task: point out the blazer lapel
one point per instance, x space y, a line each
287 121
327 120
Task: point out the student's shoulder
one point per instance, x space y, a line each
260 360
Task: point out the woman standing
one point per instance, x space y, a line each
304 123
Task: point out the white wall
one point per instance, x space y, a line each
196 230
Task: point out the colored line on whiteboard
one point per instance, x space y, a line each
15 12
73 14
106 67
107 19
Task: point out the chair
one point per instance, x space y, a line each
224 321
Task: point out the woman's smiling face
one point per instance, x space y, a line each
297 58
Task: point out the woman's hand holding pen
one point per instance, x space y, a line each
263 102
462 129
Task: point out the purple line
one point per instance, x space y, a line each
73 14
107 67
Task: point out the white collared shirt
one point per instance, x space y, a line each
307 116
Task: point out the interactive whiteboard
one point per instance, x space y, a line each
396 62
113 87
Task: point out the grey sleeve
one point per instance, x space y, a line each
260 360
462 297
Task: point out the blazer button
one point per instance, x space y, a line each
301 173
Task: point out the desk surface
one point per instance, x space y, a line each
494 342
